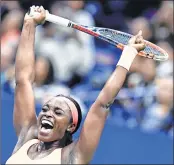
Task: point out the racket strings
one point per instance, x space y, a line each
149 49
121 38
118 37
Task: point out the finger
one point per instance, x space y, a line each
139 46
36 8
33 6
31 10
138 36
41 8
43 11
132 40
139 33
139 39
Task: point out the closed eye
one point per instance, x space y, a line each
45 109
58 111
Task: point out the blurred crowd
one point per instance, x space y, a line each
74 63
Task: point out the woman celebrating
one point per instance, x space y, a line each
48 138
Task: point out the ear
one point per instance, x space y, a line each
71 127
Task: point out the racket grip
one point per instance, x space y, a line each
56 19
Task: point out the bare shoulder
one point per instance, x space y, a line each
25 135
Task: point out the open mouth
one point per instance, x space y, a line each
46 125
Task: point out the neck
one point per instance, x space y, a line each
48 145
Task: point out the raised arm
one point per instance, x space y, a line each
24 106
95 120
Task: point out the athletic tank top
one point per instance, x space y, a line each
21 156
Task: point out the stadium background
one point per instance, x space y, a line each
139 128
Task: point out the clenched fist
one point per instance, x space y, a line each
137 41
36 14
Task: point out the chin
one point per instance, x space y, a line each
44 139
45 136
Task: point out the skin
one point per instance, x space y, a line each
41 70
26 123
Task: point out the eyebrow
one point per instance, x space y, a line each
58 107
46 104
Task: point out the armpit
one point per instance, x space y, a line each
25 135
67 154
71 156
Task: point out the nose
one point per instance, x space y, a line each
48 114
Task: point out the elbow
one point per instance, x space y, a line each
99 103
106 98
22 78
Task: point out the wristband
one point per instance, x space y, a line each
127 57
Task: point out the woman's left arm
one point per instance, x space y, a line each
96 117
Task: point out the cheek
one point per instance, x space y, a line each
39 117
62 122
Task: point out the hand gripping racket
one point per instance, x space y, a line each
114 37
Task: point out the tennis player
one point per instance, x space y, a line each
47 139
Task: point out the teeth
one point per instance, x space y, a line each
47 122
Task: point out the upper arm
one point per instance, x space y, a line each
96 117
24 107
91 131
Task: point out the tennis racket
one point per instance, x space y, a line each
114 37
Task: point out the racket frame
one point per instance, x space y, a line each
67 23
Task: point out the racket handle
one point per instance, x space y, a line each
56 19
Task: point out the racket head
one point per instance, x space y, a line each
120 39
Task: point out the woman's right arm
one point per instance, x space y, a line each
24 106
